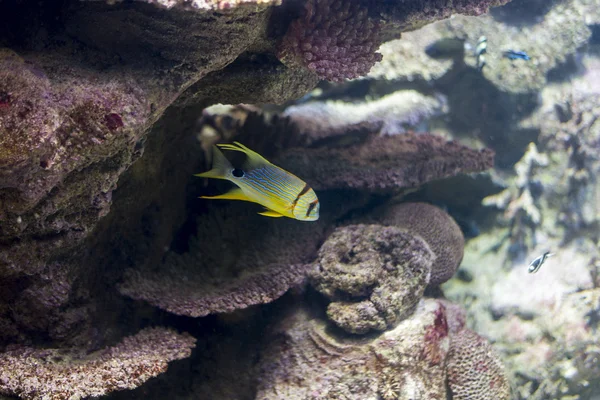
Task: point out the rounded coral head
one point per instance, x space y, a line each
307 207
436 227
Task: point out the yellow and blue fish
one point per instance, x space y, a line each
280 192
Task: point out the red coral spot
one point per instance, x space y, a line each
4 100
113 121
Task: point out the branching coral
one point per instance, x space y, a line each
475 371
54 374
518 201
336 39
374 276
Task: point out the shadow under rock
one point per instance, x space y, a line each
521 13
478 108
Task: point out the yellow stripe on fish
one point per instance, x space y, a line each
280 192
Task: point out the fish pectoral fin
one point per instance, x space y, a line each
270 213
233 194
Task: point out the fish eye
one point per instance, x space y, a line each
238 173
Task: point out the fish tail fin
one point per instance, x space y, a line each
221 167
253 159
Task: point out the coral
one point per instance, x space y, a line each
373 275
336 39
558 35
237 259
72 122
569 125
414 14
475 371
342 156
520 201
303 359
386 162
435 226
202 4
32 373
198 295
391 114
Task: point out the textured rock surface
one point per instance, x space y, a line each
32 373
335 39
373 275
304 360
474 369
435 226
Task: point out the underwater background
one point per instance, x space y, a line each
453 146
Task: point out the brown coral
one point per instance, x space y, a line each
475 371
237 259
54 374
374 276
336 39
386 162
436 227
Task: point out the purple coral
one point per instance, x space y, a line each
53 374
336 39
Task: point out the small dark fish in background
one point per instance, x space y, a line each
538 262
446 48
516 55
480 50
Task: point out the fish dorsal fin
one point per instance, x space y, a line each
253 159
270 213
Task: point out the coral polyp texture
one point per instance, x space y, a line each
475 371
336 39
436 227
37 374
373 275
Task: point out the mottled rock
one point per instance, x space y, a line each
373 275
36 373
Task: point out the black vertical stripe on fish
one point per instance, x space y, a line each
305 189
311 206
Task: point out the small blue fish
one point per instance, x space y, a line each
516 55
280 192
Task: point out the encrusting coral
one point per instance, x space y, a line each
336 39
304 359
519 201
36 374
373 275
474 369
